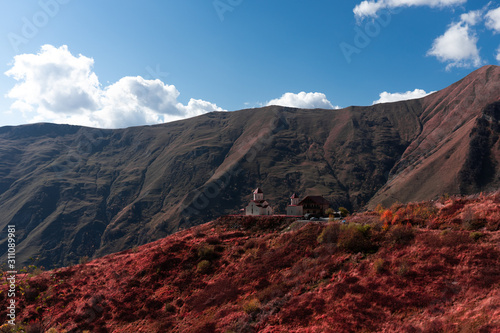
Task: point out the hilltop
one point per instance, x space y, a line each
74 192
421 267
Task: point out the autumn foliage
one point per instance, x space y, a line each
421 267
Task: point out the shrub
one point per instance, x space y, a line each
425 212
365 229
355 238
271 292
379 265
329 211
330 234
470 221
251 306
475 236
209 327
387 216
213 240
31 294
379 209
207 252
396 206
203 267
401 234
169 307
7 328
343 211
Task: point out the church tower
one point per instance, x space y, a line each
258 194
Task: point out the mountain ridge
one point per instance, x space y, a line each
454 99
77 191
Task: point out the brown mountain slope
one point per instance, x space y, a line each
457 150
74 191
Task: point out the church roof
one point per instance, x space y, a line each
261 203
294 196
258 190
319 200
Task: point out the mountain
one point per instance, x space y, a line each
457 149
426 267
73 191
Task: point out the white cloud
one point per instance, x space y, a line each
457 46
55 86
472 17
493 19
498 54
303 100
387 97
55 80
370 8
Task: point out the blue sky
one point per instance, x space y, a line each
124 63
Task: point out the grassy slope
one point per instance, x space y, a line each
426 267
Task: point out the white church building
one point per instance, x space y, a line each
258 206
295 208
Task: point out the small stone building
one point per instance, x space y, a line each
294 208
258 206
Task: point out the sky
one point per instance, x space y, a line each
115 64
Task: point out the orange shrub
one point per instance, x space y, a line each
386 216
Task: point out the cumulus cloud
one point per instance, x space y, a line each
458 45
303 100
387 97
473 17
493 19
56 86
370 8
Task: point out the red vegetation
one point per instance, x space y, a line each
426 267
